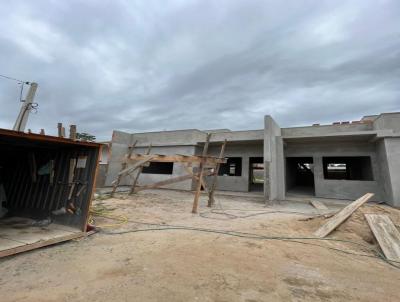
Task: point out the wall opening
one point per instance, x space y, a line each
300 175
159 168
232 167
348 168
256 174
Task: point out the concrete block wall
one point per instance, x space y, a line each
333 188
245 151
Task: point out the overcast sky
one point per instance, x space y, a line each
166 65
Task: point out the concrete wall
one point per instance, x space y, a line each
388 121
325 129
245 151
332 188
178 169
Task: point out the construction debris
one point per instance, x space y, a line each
386 234
341 216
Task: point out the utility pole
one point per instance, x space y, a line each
22 119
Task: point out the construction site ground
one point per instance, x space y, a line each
125 262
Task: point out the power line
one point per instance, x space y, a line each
14 79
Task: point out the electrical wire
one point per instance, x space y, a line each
14 79
377 254
298 240
102 211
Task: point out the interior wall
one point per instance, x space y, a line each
341 189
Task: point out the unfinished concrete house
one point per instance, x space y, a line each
343 160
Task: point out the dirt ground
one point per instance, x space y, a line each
170 264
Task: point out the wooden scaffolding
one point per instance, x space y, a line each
197 168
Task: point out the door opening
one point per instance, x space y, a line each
256 174
300 175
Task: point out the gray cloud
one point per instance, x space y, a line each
153 65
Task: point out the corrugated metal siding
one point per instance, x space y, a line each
38 199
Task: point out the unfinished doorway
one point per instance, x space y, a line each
256 174
300 175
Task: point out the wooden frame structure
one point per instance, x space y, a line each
206 166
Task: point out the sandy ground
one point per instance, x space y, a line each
188 265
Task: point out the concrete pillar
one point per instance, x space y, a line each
388 153
273 160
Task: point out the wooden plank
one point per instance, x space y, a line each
135 166
386 234
6 244
136 179
123 166
319 205
71 171
164 182
190 171
341 216
200 174
28 247
211 199
208 160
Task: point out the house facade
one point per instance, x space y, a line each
343 160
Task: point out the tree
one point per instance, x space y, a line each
86 137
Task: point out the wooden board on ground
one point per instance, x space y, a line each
319 205
386 234
18 235
341 216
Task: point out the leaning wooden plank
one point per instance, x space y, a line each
319 205
140 170
124 164
207 160
135 166
386 234
28 247
211 199
200 174
341 216
164 182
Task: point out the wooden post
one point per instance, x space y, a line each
211 200
200 174
59 127
72 132
123 167
138 174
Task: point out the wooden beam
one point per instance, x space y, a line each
211 199
164 182
39 244
135 166
200 174
208 160
341 216
203 182
320 206
123 166
135 181
386 234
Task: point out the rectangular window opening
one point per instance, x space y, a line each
348 168
232 167
159 168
